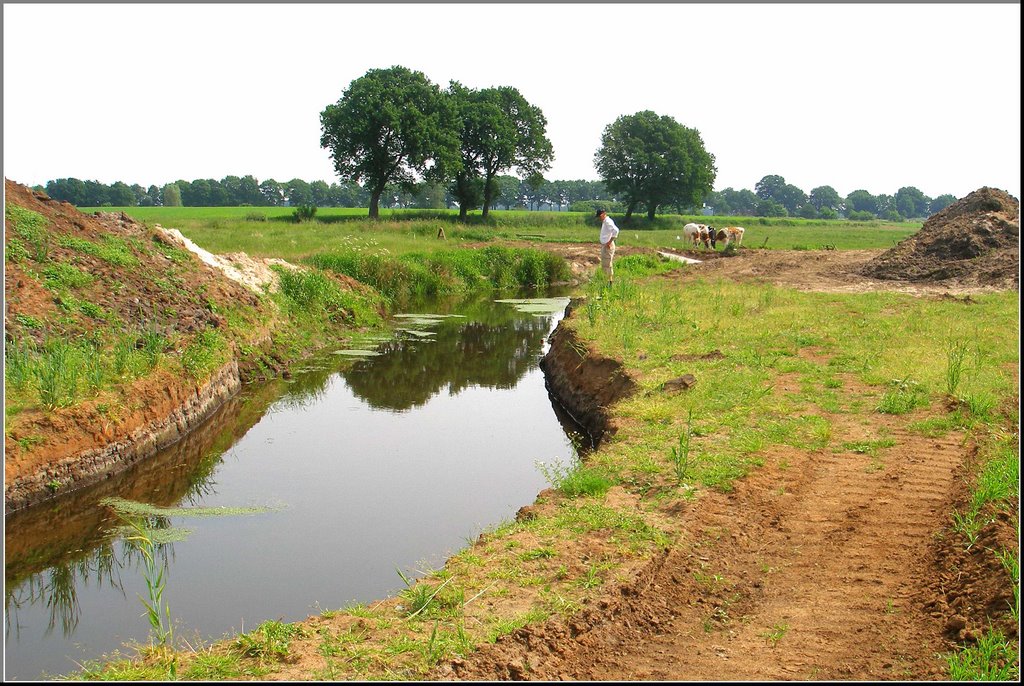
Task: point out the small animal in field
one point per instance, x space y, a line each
699 234
692 233
731 234
709 237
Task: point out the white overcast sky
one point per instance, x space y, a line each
855 96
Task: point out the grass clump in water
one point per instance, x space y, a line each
316 294
416 274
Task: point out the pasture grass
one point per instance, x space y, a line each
892 344
277 234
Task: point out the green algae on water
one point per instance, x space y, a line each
134 508
537 305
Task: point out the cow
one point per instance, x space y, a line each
731 234
712 238
701 234
693 233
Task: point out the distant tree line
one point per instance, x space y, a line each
535 193
771 197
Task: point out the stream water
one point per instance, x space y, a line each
364 466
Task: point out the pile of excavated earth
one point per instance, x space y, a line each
974 241
150 281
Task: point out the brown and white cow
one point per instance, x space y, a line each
700 234
731 234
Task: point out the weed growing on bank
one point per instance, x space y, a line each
419 275
993 658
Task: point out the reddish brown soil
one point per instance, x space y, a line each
816 567
173 297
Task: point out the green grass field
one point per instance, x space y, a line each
273 232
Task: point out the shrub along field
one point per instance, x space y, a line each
274 232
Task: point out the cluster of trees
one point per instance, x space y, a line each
773 197
393 126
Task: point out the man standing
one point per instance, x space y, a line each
608 233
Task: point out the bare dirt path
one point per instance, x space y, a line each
812 580
816 567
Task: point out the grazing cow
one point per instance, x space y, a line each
731 234
709 237
693 232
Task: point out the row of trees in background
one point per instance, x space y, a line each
771 197
535 193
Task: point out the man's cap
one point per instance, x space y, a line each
599 212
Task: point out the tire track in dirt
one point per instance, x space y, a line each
810 569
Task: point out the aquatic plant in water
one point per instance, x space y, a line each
537 305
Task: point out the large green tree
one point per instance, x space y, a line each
911 202
825 196
770 187
70 190
298 193
774 187
121 195
391 126
500 131
861 201
942 202
272 192
652 160
171 195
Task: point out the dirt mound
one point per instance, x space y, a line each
111 282
975 240
117 264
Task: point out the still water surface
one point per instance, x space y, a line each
369 465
